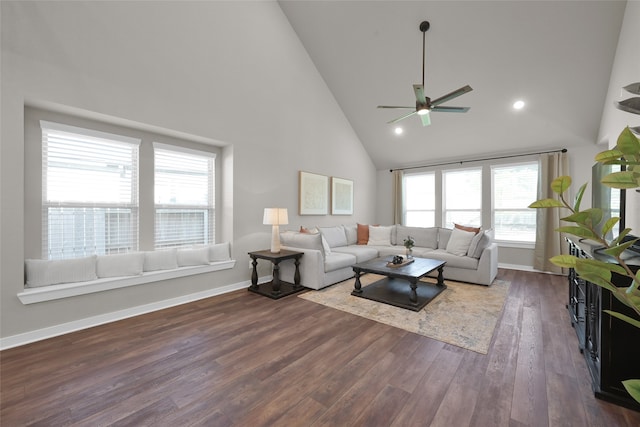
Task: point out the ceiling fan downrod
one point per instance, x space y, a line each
424 27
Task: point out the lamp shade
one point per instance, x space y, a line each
275 216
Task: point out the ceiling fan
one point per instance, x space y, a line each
424 104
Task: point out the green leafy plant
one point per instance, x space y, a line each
409 242
587 223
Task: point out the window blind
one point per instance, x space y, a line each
89 192
462 197
420 200
184 196
515 186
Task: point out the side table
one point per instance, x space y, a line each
276 288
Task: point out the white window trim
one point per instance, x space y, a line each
68 290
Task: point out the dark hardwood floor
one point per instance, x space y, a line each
244 360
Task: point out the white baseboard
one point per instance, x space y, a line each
89 322
523 268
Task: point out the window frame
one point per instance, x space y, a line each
209 228
513 242
81 133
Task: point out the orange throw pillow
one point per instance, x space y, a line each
465 228
363 234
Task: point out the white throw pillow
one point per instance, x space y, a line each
193 256
219 252
165 259
459 242
41 272
486 237
351 232
129 264
325 246
380 235
335 236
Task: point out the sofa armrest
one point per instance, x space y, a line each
488 264
311 268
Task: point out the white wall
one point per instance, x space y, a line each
625 70
228 73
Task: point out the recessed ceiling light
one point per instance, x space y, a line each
518 105
398 131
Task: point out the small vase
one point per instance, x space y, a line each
409 253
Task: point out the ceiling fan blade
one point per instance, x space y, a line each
443 109
426 120
633 88
394 106
402 118
631 105
419 91
451 95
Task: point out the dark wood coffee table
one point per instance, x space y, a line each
393 288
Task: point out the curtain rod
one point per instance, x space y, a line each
560 150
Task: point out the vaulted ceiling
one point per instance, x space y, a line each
554 55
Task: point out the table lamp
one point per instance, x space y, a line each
275 217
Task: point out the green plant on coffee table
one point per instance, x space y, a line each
409 242
586 223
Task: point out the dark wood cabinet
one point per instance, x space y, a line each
610 346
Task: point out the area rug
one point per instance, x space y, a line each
464 315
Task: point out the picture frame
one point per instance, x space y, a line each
313 195
341 196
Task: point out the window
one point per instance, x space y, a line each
420 200
89 192
462 197
514 188
184 196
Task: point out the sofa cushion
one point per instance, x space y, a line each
336 261
164 259
361 252
443 237
302 240
479 243
351 232
363 234
425 237
42 272
454 261
379 235
335 236
459 242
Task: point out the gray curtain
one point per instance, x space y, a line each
548 241
398 197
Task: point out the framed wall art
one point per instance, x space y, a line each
313 194
341 196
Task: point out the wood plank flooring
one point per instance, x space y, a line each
241 359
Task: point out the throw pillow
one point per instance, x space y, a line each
459 242
363 234
191 256
302 241
219 252
352 234
305 230
42 272
117 265
481 243
335 236
379 236
474 230
165 259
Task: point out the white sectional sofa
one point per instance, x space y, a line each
329 252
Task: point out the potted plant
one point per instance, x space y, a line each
409 243
585 224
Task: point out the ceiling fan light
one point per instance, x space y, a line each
423 111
